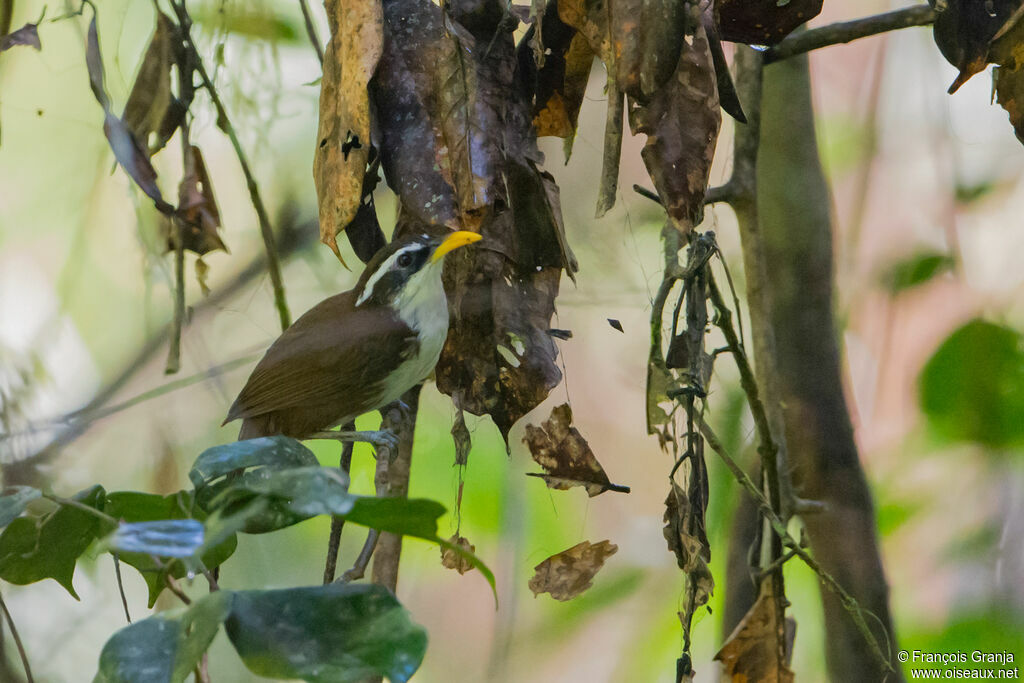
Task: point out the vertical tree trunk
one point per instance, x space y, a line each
787 231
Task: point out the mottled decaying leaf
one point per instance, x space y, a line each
26 35
453 560
566 456
686 536
571 571
752 651
128 151
647 36
964 31
460 434
555 61
762 22
681 122
343 147
197 207
149 103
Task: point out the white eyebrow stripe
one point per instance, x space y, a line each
384 268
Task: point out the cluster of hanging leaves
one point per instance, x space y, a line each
323 633
151 117
972 35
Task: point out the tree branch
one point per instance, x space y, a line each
846 31
224 123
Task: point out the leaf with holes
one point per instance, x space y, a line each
570 572
566 456
355 47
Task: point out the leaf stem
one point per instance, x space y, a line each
307 17
68 502
120 588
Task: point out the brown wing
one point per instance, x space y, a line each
331 358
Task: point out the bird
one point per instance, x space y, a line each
357 351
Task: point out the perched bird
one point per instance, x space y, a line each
356 351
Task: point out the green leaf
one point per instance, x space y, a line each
275 452
972 388
916 270
163 538
47 548
164 647
337 633
135 507
13 502
253 22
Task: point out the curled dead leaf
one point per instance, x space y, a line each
453 560
566 456
150 99
570 572
756 649
26 35
197 207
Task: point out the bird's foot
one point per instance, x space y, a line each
379 439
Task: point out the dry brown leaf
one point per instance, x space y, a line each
751 654
452 560
692 550
571 571
566 456
197 207
343 148
150 98
681 122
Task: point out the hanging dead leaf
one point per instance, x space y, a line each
150 98
202 276
339 166
1007 51
681 123
566 456
555 62
755 650
197 207
762 22
964 32
127 150
453 560
687 539
571 571
26 35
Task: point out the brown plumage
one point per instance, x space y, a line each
326 369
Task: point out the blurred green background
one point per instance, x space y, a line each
84 285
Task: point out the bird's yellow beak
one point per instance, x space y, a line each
453 242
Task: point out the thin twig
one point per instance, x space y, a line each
850 603
17 640
224 123
176 589
713 195
307 17
68 502
846 31
338 523
120 588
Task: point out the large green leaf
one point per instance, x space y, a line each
13 502
972 388
337 633
47 548
164 648
134 507
275 452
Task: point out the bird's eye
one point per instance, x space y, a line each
404 261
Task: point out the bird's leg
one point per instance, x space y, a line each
380 439
358 569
